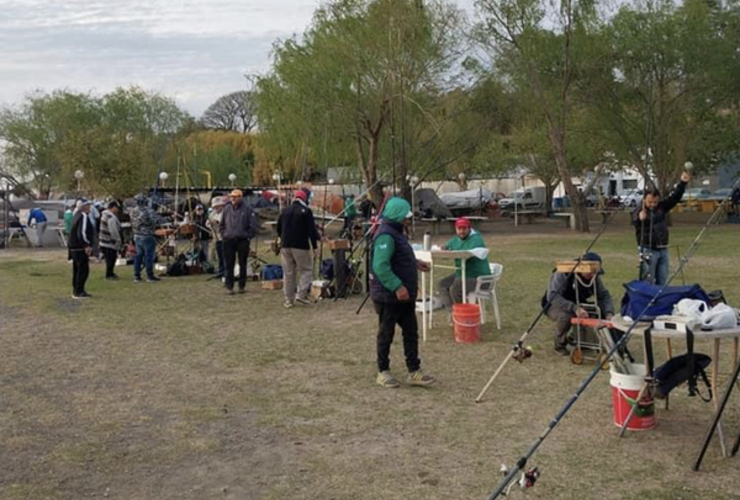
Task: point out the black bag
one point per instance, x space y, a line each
179 267
678 370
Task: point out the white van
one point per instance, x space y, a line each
529 198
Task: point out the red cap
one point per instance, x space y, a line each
462 222
301 195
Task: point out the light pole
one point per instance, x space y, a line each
79 174
163 177
277 176
232 179
413 181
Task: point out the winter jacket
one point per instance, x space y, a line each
110 231
474 266
393 260
561 293
239 222
143 221
297 227
82 233
653 231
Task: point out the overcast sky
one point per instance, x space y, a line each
191 50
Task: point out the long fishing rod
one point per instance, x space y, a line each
519 351
522 462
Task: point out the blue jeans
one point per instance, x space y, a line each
654 265
145 246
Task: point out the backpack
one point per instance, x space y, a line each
678 370
179 267
272 272
638 295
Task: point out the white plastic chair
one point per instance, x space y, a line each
485 289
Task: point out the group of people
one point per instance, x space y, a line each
394 276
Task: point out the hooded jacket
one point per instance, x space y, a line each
394 262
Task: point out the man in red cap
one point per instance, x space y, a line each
450 287
298 235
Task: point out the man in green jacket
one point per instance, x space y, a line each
393 288
450 288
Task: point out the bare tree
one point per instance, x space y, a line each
236 111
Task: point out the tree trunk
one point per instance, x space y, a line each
371 173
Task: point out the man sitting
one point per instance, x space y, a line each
450 288
561 302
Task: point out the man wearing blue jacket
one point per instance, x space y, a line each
393 288
41 221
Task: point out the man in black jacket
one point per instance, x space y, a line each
651 230
298 234
80 248
239 224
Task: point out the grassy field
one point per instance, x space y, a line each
175 390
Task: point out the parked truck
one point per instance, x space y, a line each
528 198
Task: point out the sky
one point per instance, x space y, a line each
191 50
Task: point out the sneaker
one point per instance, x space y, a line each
112 278
152 279
420 378
137 279
229 291
78 297
85 295
242 290
385 379
304 300
287 304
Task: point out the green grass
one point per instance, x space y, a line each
175 390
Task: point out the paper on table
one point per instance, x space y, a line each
481 253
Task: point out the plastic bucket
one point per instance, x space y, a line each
466 320
625 389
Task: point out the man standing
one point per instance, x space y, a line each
565 294
393 288
143 224
298 234
214 222
651 228
68 216
80 249
239 224
40 217
110 238
350 212
450 288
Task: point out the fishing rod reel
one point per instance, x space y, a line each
526 480
521 352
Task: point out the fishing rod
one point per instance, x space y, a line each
519 350
503 485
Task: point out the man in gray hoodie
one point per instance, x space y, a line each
110 238
565 296
239 224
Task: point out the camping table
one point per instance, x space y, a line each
716 336
430 256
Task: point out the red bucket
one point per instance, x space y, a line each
466 318
625 389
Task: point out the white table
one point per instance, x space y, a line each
714 335
429 256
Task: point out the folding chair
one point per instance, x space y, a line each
485 289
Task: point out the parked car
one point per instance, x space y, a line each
530 198
696 194
720 194
631 198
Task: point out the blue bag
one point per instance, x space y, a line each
272 272
639 294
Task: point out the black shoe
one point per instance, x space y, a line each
152 279
242 290
84 295
112 278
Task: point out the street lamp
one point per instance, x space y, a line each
277 176
232 179
163 177
79 174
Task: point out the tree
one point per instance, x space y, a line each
348 88
33 135
543 62
236 112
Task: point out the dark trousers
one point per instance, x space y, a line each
561 317
80 271
220 256
234 249
403 315
110 255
